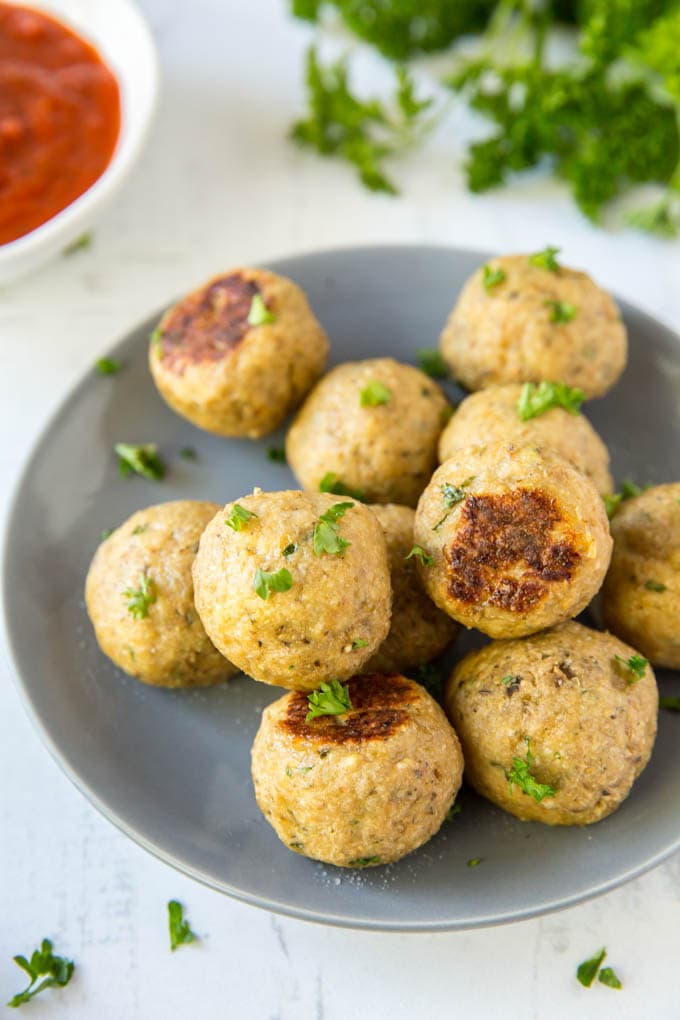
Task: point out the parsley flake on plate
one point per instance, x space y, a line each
492 277
180 932
454 810
239 517
587 971
265 583
561 311
546 259
431 362
536 400
521 775
607 976
374 394
669 703
276 454
330 699
108 366
142 459
635 667
80 244
139 599
259 314
417 552
474 862
188 453
331 483
56 971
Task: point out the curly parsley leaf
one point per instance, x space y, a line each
633 667
587 971
259 314
139 599
56 971
180 932
535 400
331 483
431 362
417 552
330 699
374 394
239 517
546 259
326 537
492 277
141 459
265 583
521 775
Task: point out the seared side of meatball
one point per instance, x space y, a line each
374 426
519 539
491 416
237 355
333 609
532 325
641 593
556 727
363 788
140 598
419 630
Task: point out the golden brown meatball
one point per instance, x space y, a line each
362 788
556 727
534 324
641 593
140 598
419 631
371 426
491 416
300 592
519 538
238 354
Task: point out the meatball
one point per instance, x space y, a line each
238 354
362 788
534 324
519 538
297 590
491 416
641 593
369 427
140 598
419 631
556 727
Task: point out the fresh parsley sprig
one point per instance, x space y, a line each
535 400
521 775
330 699
56 971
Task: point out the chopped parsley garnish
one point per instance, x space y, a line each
607 976
80 244
374 394
474 861
652 585
56 971
628 491
140 529
142 459
279 580
180 932
276 454
454 810
139 599
429 677
106 533
291 548
108 366
359 642
521 775
546 259
636 665
331 483
587 971
561 311
156 337
417 552
364 862
492 277
432 363
330 699
451 495
239 517
535 400
671 704
259 314
326 537
188 453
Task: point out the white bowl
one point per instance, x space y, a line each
120 34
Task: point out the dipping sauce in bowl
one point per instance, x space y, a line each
59 118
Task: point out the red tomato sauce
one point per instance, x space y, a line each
59 118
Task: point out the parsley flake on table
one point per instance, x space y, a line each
276 454
180 932
259 314
56 971
671 704
265 583
139 599
587 971
374 394
239 517
607 976
142 459
561 312
330 699
80 244
108 366
492 277
326 537
188 453
635 666
536 400
331 483
474 862
431 362
417 552
521 775
546 259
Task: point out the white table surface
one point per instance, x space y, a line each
219 184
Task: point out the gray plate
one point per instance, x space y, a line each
172 769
